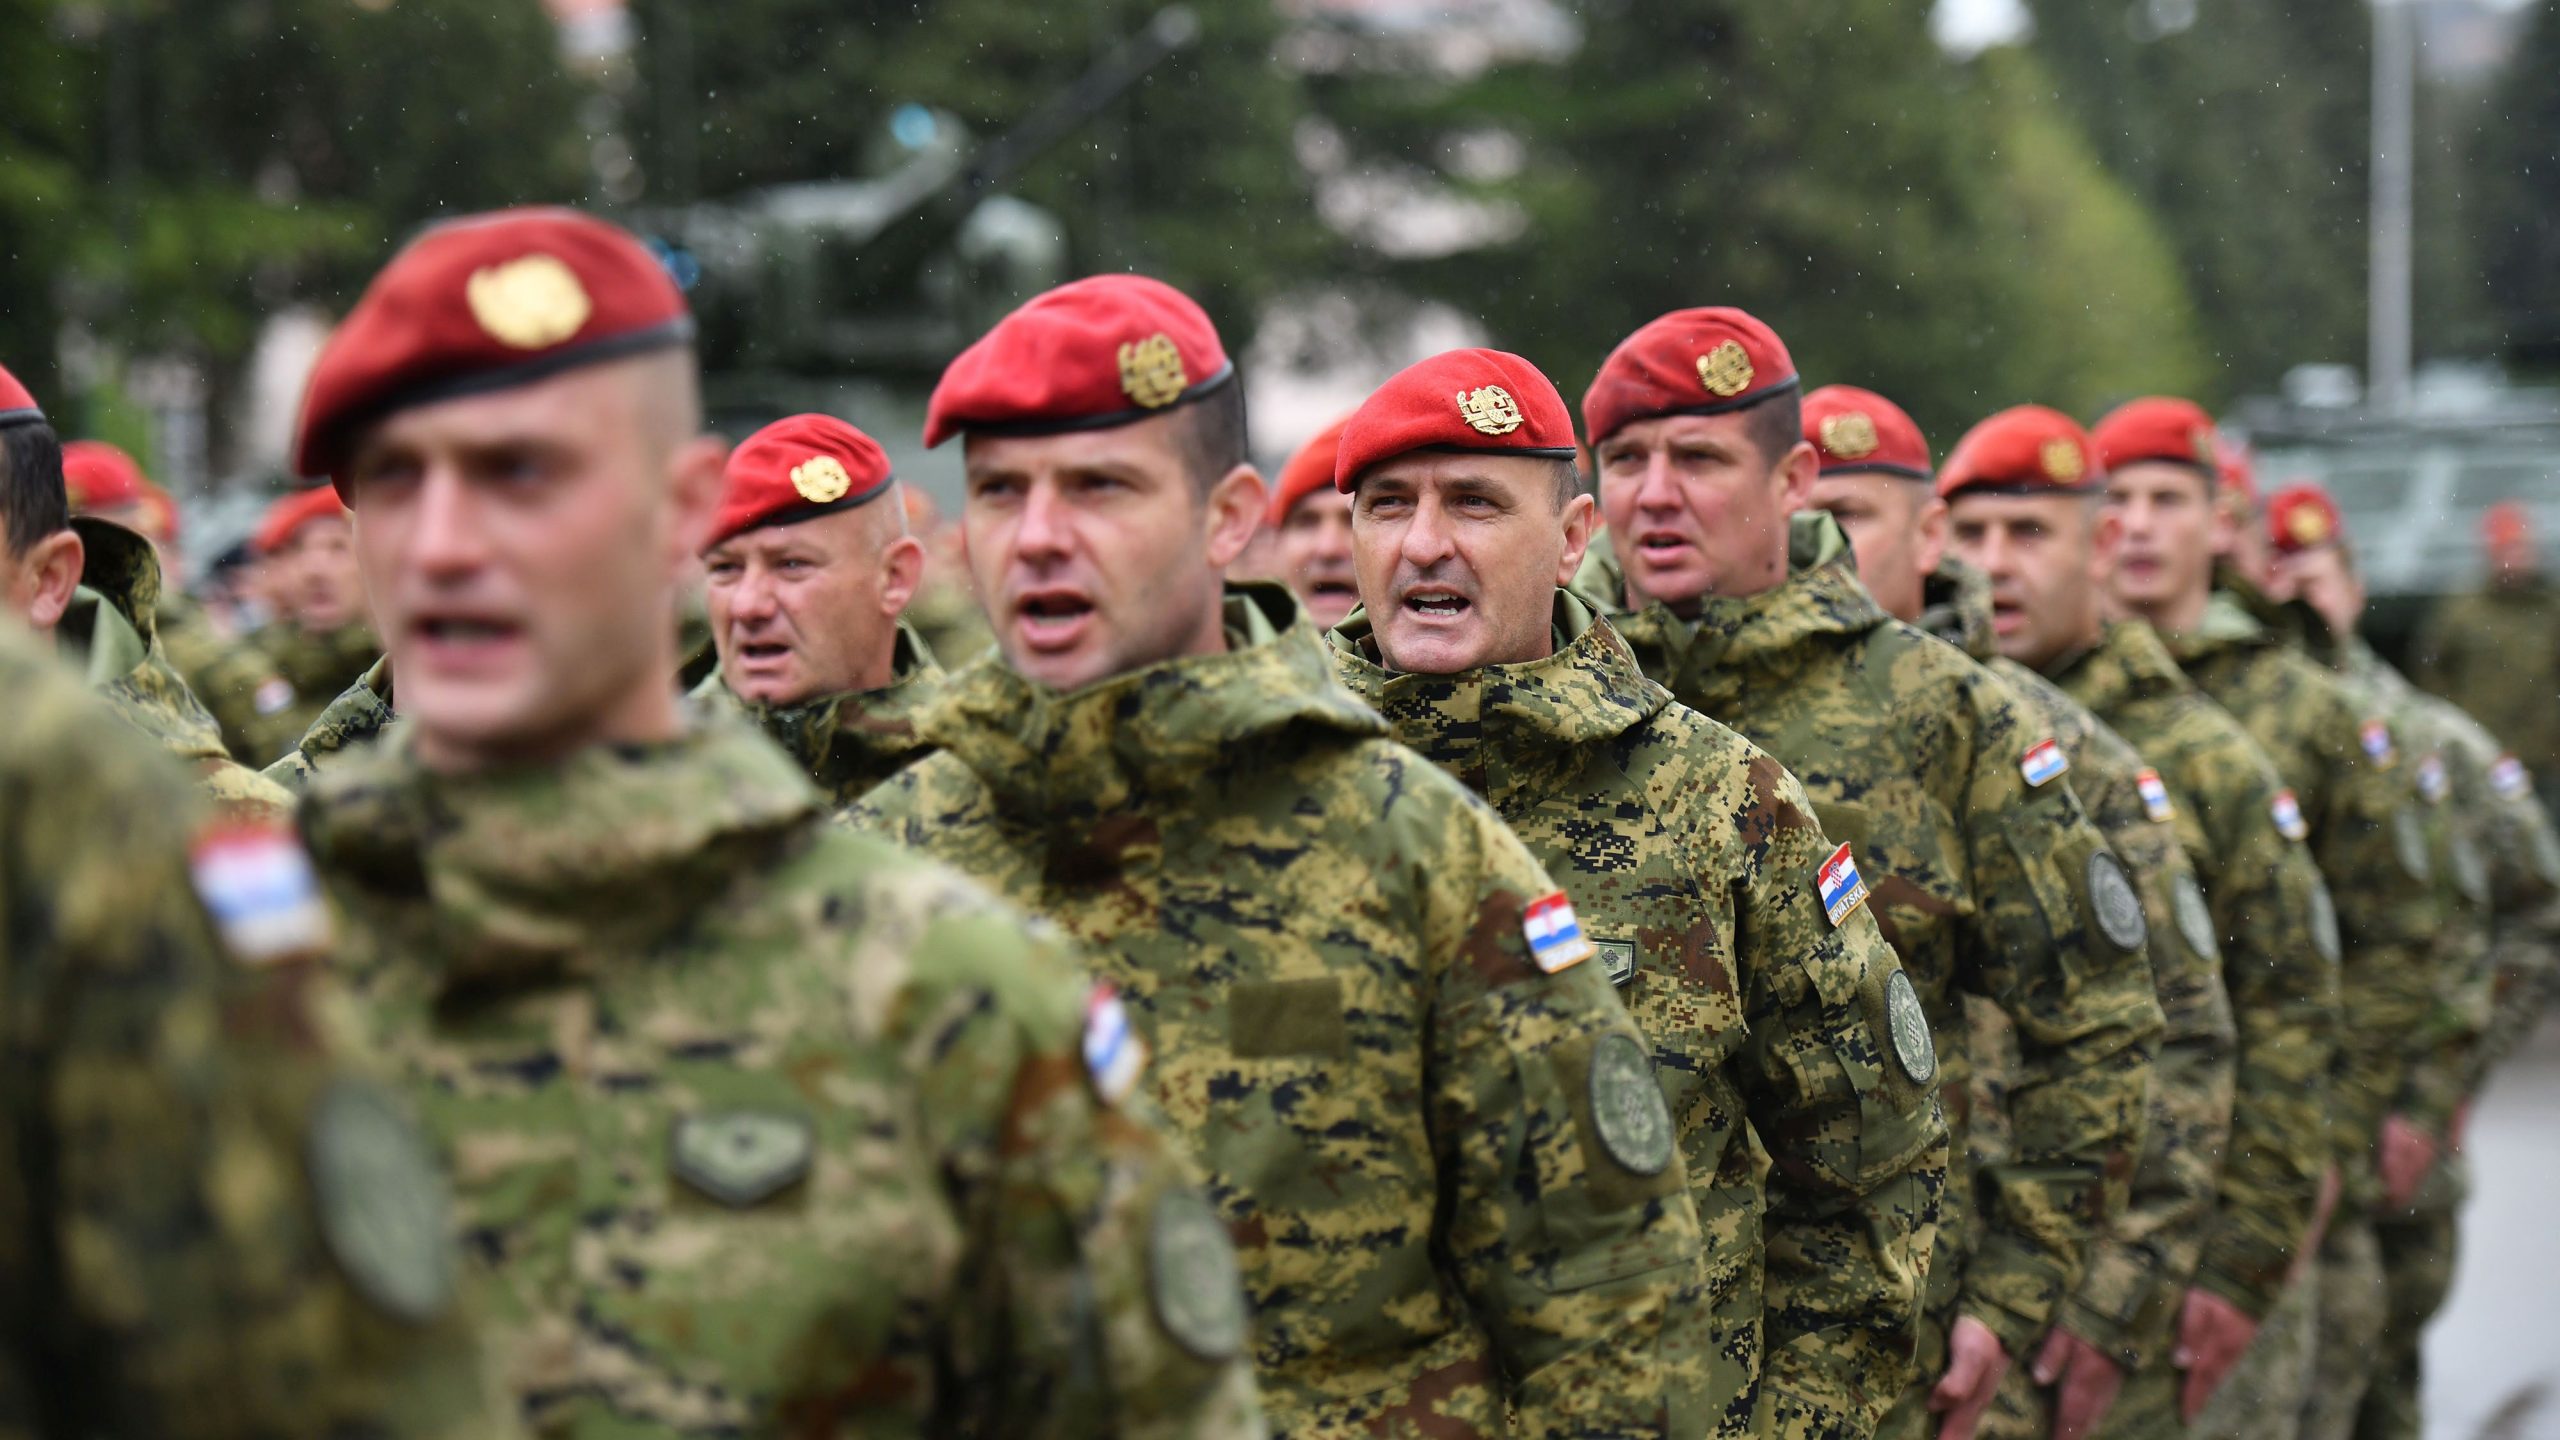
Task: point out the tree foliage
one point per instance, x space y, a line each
2519 195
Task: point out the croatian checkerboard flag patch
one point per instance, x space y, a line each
2377 742
2045 761
2507 777
1842 888
2155 796
1555 934
1113 1053
2288 813
259 887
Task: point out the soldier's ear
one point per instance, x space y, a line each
1234 512
1797 470
47 574
1930 530
693 486
901 571
1581 519
2106 536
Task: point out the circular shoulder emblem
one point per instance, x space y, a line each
381 1201
2113 904
1627 1107
1198 1289
2470 871
2195 919
1912 1047
2409 842
2324 924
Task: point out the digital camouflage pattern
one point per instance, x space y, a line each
1913 755
2128 1299
2496 654
848 743
317 667
758 1127
1816 1156
1452 1176
163 1267
111 632
2269 910
360 713
947 616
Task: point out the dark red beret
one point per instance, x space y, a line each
1690 362
1308 471
98 476
1103 351
798 468
2158 427
1854 429
2303 517
2023 450
1482 400
2505 523
481 304
17 407
294 511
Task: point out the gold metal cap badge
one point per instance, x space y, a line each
528 303
2061 461
1490 410
821 479
1851 435
2203 441
1725 370
1151 371
2307 524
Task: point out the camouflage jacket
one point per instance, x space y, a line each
184 1248
1693 860
2146 1254
2334 752
2496 654
761 1128
848 743
1920 759
946 615
2277 935
316 666
360 713
112 628
1451 1172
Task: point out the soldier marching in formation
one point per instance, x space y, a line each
1738 930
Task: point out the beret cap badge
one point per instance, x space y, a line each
1490 410
1151 371
2061 461
1725 370
529 303
1851 435
821 479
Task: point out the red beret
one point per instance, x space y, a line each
17 407
1308 471
2302 517
2158 427
1483 400
98 476
798 468
481 304
294 511
2237 465
1103 351
1690 362
2505 523
2021 451
159 518
1854 429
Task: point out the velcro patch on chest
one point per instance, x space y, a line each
2288 814
2155 797
1555 934
257 883
2044 763
742 1157
1843 889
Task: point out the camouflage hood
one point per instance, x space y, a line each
1147 738
1509 729
2128 664
113 623
1955 606
361 712
544 868
847 743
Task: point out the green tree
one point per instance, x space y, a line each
2519 196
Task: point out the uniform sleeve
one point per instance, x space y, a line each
1857 1145
2087 1022
1565 1210
1100 1293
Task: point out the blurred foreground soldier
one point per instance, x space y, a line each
809 566
2496 651
92 587
1423 1113
1985 874
757 1127
2032 518
209 1230
1792 1048
1312 523
1876 479
2335 753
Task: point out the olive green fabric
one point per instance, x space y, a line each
2496 654
848 743
361 712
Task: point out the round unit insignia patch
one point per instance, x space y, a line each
2195 919
382 1201
2324 925
1627 1107
1198 1290
2409 842
2113 904
2470 871
1912 1047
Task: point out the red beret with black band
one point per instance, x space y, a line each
1307 472
1704 361
1854 431
2023 450
17 406
2159 427
2303 517
799 468
1103 351
1483 401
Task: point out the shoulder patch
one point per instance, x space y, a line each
382 1204
2433 783
2044 763
1555 935
272 695
1913 1050
2409 843
1114 1056
2112 903
257 883
742 1158
1627 1108
1842 889
2376 738
2509 779
2288 815
2195 919
1193 1277
2155 797
1618 957
2325 940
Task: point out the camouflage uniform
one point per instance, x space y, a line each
1452 1174
1692 858
111 631
947 616
183 1252
2127 1303
1982 881
758 1127
361 712
2496 654
848 743
316 666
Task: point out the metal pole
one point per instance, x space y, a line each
2387 280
